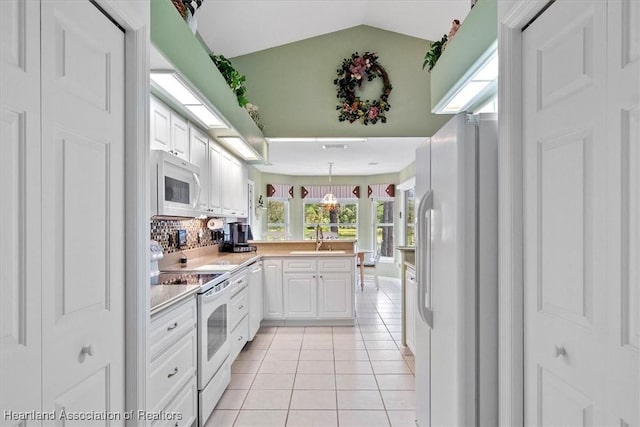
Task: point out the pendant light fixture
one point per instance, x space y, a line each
329 201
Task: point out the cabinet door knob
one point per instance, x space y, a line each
89 350
560 351
240 338
172 327
241 307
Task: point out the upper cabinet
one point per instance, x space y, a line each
168 131
223 177
234 186
199 143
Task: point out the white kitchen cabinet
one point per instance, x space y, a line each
238 312
410 297
256 303
179 136
318 288
160 125
185 403
234 190
335 295
226 180
241 189
199 143
273 305
173 353
299 292
168 130
215 183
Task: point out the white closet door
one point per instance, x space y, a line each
565 147
623 208
83 208
20 271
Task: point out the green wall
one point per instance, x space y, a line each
293 85
171 36
476 34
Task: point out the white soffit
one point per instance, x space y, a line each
239 27
370 156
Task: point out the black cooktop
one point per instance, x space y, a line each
187 278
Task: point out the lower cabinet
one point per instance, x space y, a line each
255 298
182 410
272 288
335 295
309 288
410 297
239 312
172 380
300 296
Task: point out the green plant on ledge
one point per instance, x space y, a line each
434 52
234 79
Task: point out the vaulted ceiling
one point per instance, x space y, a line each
239 27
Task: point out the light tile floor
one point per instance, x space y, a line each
345 376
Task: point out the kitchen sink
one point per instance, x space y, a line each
323 252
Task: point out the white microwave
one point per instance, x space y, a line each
175 185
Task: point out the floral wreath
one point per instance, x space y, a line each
351 74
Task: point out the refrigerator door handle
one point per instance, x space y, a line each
423 254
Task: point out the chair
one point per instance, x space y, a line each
373 263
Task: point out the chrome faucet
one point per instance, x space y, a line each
319 237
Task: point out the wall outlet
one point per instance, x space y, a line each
181 238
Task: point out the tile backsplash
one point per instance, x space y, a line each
164 231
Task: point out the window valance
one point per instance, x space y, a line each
381 191
280 191
342 192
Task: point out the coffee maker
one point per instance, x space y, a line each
237 237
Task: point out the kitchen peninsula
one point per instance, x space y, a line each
301 285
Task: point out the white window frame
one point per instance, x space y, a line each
287 218
310 201
401 188
376 224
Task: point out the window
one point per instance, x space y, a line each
383 226
339 224
277 219
409 218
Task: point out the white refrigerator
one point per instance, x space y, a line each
457 271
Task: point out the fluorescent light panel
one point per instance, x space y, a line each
473 86
175 87
206 116
323 140
241 147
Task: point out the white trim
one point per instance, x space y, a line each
512 17
134 17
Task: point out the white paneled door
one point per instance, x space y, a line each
579 215
83 208
623 208
20 271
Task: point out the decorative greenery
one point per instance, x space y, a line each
234 79
434 52
351 74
